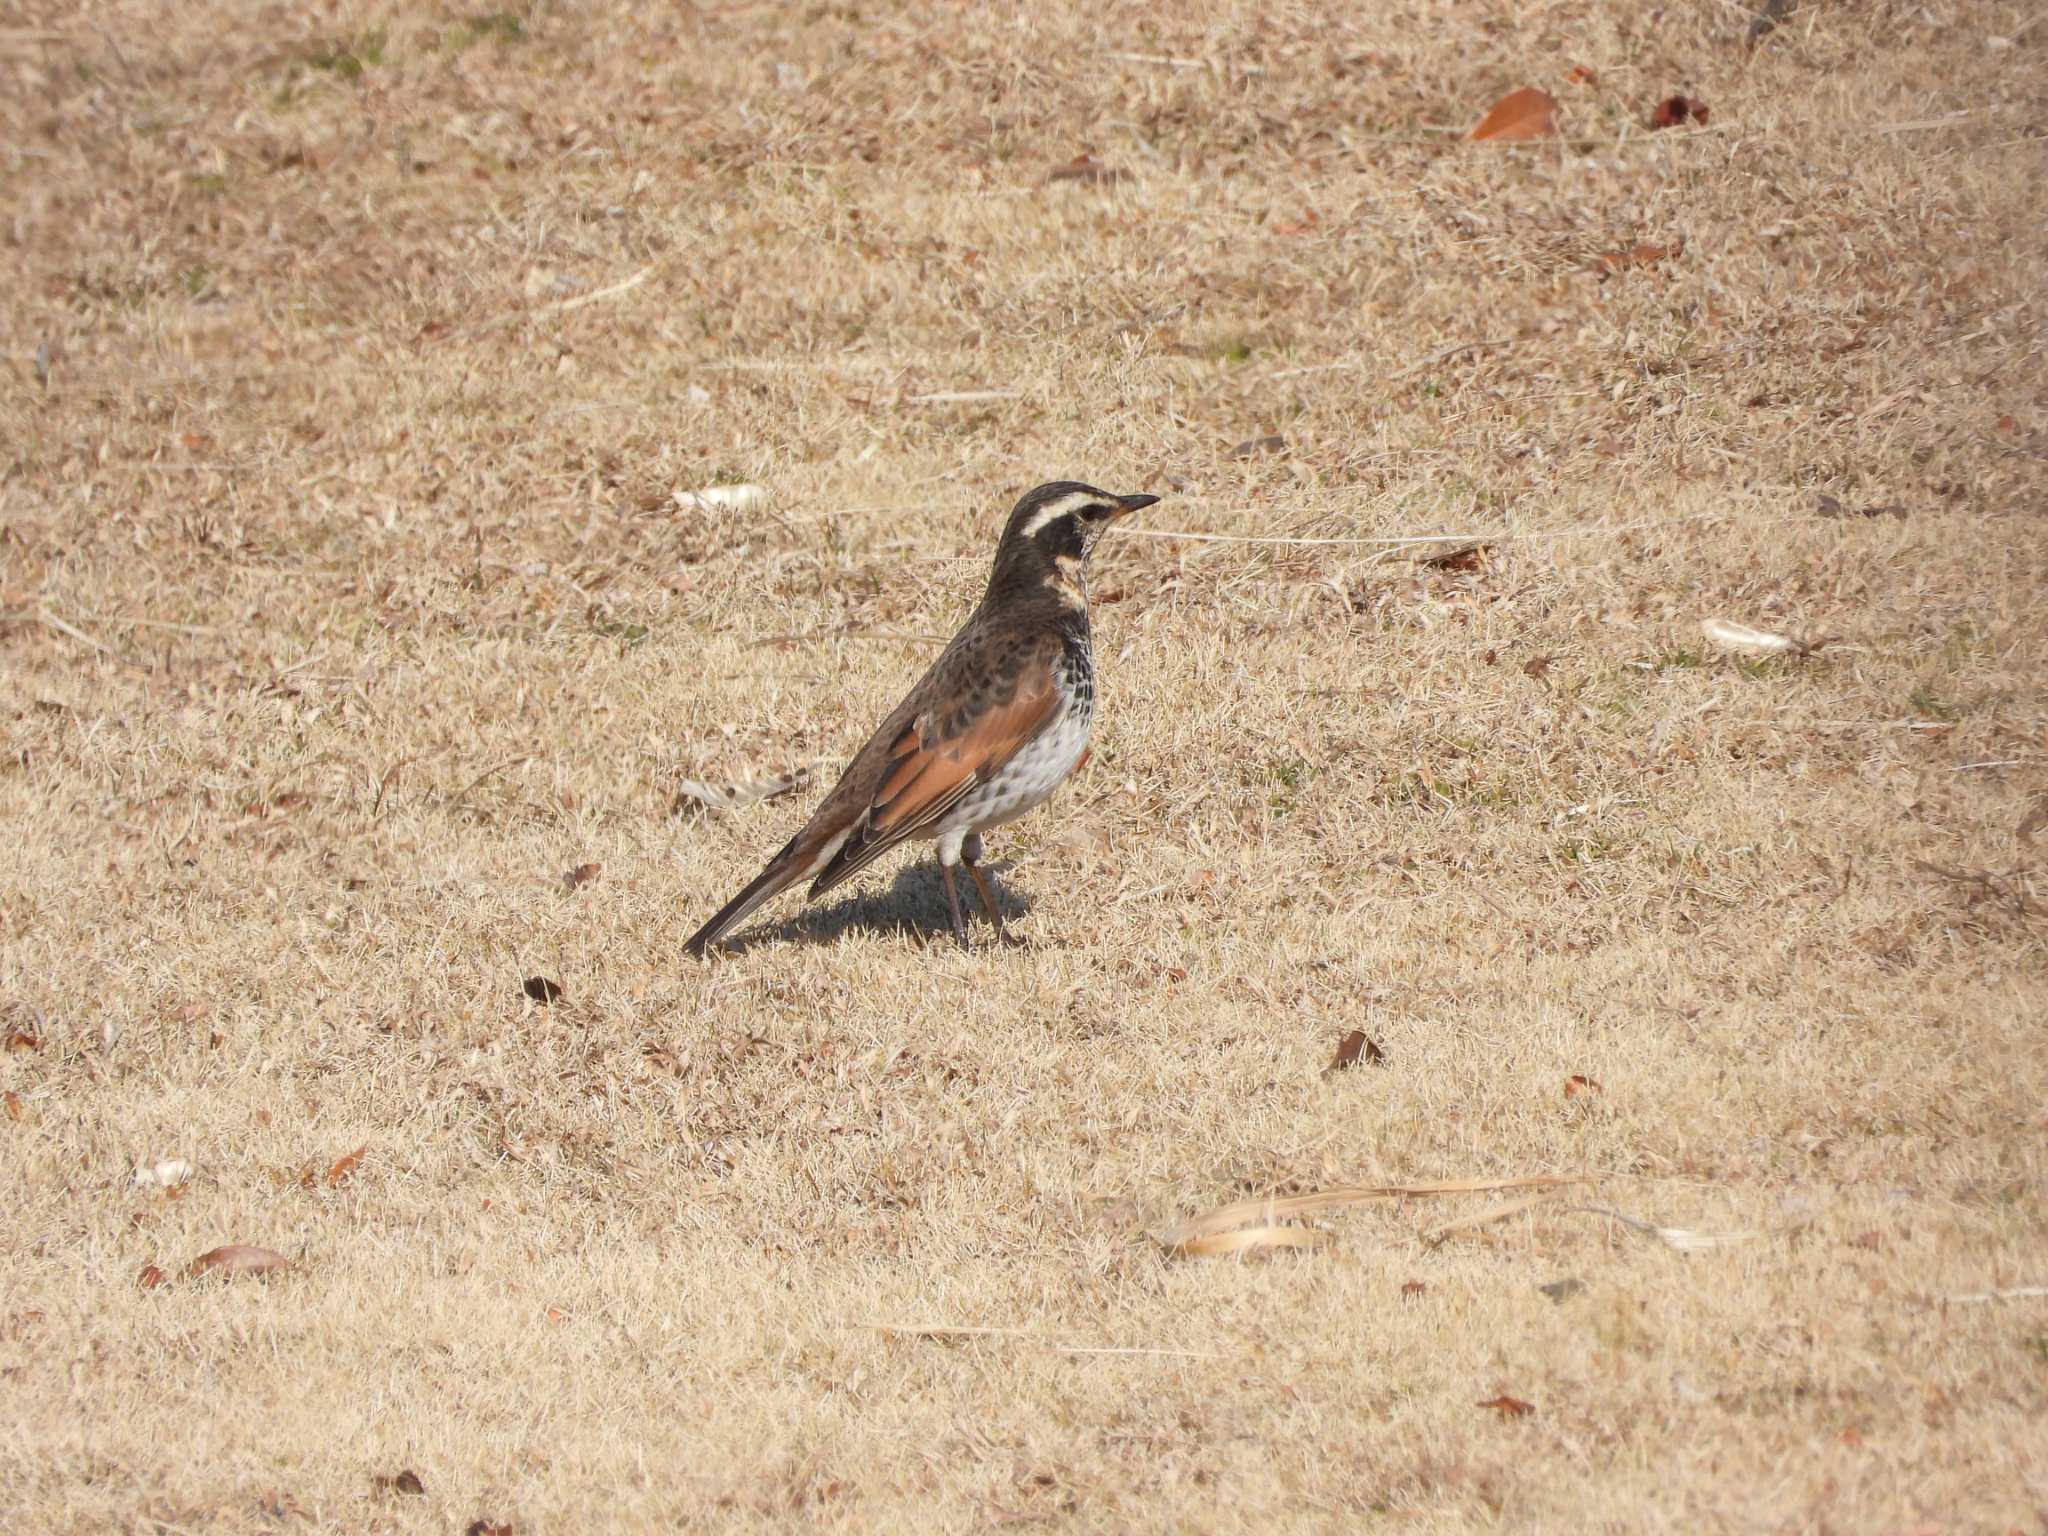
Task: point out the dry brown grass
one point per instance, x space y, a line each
345 608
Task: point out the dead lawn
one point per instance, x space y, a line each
345 606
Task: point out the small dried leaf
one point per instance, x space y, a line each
24 1040
541 990
1085 168
237 1259
1580 75
1509 1407
1731 636
1562 1290
582 874
1640 256
730 797
1412 1288
1537 667
486 1528
1348 1052
150 1278
1524 114
408 1482
1578 1083
346 1164
1673 110
14 1110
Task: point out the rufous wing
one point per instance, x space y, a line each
929 768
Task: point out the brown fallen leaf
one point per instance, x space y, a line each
1639 256
1351 1049
24 1040
1524 114
406 1482
1580 75
1673 110
1538 667
582 874
1410 1289
17 1114
1085 168
1509 1407
1465 557
481 1527
150 1278
541 990
1578 1083
1300 226
346 1164
237 1259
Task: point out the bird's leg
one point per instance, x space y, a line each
953 901
968 855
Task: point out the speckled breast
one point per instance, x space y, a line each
1042 764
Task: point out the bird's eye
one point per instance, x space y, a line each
1094 512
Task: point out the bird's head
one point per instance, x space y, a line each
1053 529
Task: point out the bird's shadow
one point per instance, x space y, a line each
914 904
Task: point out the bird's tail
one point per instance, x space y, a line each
783 871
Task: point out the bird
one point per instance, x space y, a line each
995 725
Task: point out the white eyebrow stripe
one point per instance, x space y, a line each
1073 501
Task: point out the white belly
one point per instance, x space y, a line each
1026 780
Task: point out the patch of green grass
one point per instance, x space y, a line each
500 27
1285 778
1924 701
1969 640
1585 850
627 634
348 59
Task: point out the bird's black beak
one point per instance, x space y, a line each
1130 504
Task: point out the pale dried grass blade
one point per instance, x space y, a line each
2010 1293
1684 1239
1250 1240
237 1259
1225 1217
747 497
732 797
1486 1217
1731 636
